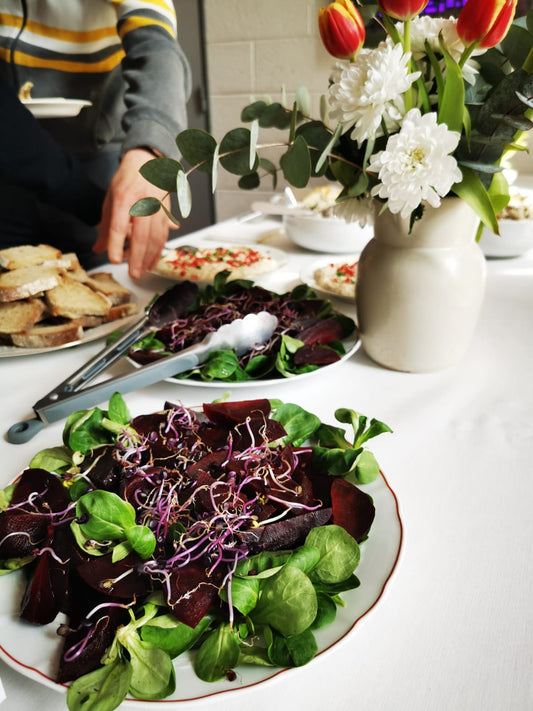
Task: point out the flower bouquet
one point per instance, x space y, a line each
428 112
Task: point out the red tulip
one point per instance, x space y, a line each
341 29
485 22
402 9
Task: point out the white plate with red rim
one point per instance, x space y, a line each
34 651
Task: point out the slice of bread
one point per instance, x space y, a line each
18 316
48 335
27 281
28 255
72 299
108 285
121 311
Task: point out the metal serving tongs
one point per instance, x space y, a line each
242 335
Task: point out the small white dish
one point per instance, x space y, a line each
307 275
514 240
56 107
326 234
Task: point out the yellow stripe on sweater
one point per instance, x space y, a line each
133 23
27 60
74 36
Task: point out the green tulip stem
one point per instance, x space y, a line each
528 64
467 52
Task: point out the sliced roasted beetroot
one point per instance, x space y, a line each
256 431
353 509
322 332
192 593
210 464
232 413
46 490
84 648
315 355
105 471
116 580
20 533
284 534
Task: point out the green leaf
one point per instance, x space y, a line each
287 601
53 459
297 422
174 637
153 674
218 654
145 207
452 98
106 513
366 467
296 163
235 152
183 191
161 172
197 147
117 410
142 540
103 689
327 150
473 192
275 116
339 553
253 111
294 650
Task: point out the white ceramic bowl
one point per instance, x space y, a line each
515 239
326 234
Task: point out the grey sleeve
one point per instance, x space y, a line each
158 81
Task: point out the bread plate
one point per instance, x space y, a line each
89 335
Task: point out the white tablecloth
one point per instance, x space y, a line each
454 628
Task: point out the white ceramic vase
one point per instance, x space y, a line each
419 295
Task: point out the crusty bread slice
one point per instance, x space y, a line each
27 281
28 255
121 311
73 299
108 285
18 316
48 335
68 261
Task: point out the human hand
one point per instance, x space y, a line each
141 239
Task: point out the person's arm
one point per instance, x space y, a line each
158 85
30 158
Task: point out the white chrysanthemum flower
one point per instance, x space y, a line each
355 210
368 91
427 29
416 164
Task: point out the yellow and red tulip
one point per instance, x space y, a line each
341 28
402 9
485 22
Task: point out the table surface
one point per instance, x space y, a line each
454 627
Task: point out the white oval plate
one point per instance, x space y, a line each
278 255
56 107
34 651
307 275
351 345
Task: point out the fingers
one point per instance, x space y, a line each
146 236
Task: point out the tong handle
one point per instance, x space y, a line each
97 364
